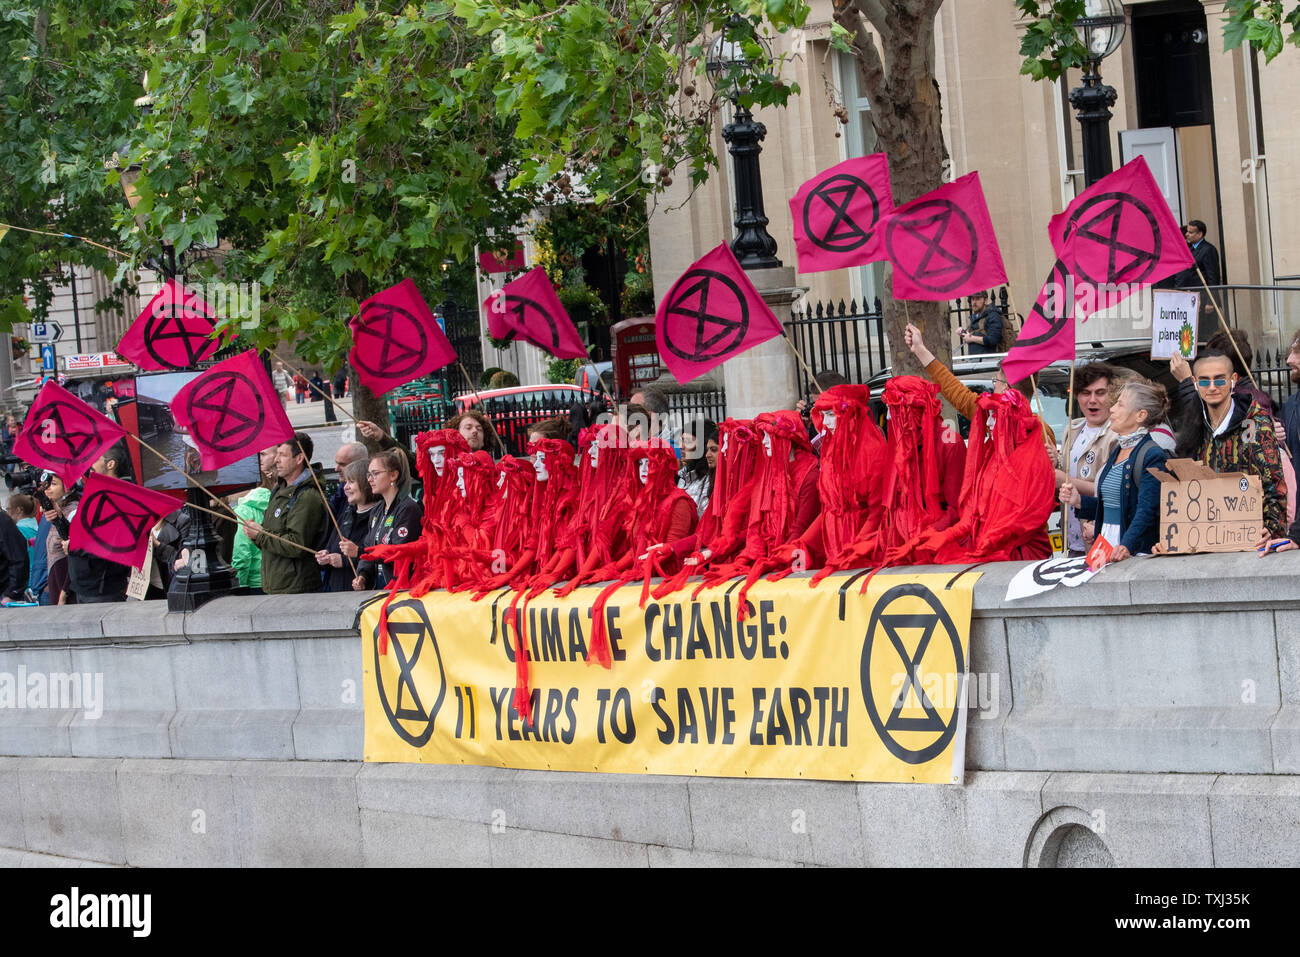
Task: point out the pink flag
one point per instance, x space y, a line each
497 261
114 518
1048 332
231 411
1117 237
63 434
173 332
395 338
711 313
837 214
529 309
942 244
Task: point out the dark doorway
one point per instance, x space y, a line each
1171 58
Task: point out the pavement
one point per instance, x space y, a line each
309 417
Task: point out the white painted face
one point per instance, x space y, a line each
539 463
643 470
501 479
593 454
726 438
438 456
767 444
460 480
828 420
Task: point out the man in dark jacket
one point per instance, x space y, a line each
296 514
14 563
1290 414
1207 261
985 333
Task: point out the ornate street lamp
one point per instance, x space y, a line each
731 72
1101 30
206 575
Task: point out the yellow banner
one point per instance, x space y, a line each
815 683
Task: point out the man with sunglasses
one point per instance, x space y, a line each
1229 433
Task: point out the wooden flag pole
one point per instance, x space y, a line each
321 392
812 378
330 512
278 538
1224 322
185 475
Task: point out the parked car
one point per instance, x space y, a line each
512 411
976 372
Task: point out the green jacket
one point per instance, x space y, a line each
246 558
295 512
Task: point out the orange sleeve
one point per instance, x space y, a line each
962 398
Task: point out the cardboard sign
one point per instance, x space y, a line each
137 585
1173 323
1206 511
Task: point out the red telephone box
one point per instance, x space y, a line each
634 353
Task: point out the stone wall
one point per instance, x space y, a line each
1146 718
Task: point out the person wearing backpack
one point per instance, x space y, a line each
1126 507
296 514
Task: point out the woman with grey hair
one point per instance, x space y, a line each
1126 507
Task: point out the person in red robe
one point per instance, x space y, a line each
854 463
598 534
921 479
782 505
661 515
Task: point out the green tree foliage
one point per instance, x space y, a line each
68 75
1050 45
337 146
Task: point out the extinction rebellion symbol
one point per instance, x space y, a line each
225 428
909 635
411 710
394 341
714 331
833 199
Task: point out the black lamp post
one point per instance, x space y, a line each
1101 29
730 73
206 575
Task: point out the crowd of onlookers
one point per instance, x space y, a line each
286 536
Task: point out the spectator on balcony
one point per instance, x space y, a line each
1126 503
962 398
1087 444
354 523
700 462
985 332
1229 432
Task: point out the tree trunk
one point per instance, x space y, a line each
366 406
898 76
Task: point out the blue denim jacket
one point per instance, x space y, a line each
1140 512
